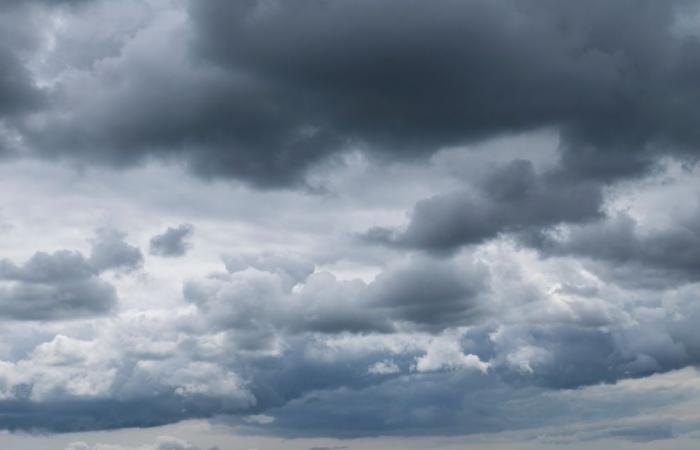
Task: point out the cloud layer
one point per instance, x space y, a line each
461 217
617 79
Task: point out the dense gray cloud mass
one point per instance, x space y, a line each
545 276
422 293
513 198
429 294
657 258
410 77
262 91
251 321
111 252
172 242
17 92
64 284
62 300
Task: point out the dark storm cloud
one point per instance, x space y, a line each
64 284
17 91
513 198
268 89
415 76
658 258
264 90
172 242
296 267
451 403
429 294
87 415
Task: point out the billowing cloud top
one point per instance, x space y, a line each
419 218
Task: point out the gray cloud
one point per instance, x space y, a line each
62 300
556 215
65 284
454 329
172 242
61 285
295 267
455 403
511 199
259 344
443 75
17 91
423 293
659 258
430 294
111 252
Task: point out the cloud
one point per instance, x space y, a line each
20 93
384 368
259 419
512 198
557 216
527 288
172 243
111 252
446 354
250 350
288 265
162 443
422 293
329 448
125 373
655 258
468 402
441 76
65 285
57 301
429 293
17 91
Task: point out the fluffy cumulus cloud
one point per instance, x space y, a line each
418 218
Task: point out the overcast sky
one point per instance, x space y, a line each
349 224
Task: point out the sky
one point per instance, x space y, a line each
349 224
